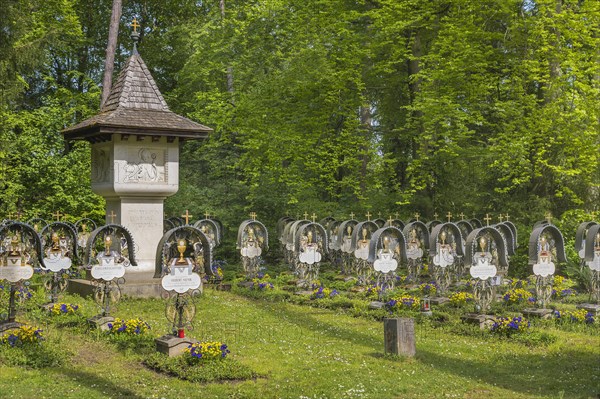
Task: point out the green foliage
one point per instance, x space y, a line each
207 371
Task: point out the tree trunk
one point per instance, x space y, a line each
229 68
109 62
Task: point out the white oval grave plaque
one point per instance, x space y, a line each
385 263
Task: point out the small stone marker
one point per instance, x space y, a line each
399 336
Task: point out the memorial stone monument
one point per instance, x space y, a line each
135 143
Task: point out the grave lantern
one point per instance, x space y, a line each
135 143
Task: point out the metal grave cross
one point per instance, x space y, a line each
57 215
487 218
351 215
462 216
206 215
314 217
449 216
368 215
417 215
500 218
549 217
253 215
187 217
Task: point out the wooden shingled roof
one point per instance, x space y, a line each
135 106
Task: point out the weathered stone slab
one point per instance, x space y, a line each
438 300
376 305
399 336
100 322
171 345
542 313
482 320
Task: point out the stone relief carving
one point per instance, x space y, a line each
148 167
101 165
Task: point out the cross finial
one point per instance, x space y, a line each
417 216
206 215
379 215
390 220
305 215
253 215
57 215
135 35
11 215
314 217
435 215
18 215
397 215
506 217
449 216
112 215
368 215
500 218
134 24
187 217
351 215
462 216
487 218
549 217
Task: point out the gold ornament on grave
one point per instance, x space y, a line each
55 242
443 237
15 245
181 247
107 243
482 243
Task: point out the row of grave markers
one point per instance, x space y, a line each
370 250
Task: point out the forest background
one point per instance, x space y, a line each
326 106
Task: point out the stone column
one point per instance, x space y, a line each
135 174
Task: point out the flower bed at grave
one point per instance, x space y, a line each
563 287
23 335
201 362
574 316
373 291
322 292
404 302
518 295
428 289
508 326
262 283
204 351
128 327
64 309
460 298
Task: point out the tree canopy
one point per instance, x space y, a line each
320 105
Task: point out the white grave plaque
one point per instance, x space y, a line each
385 263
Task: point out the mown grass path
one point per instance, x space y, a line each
306 352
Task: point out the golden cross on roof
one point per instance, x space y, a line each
57 215
314 217
206 215
506 217
390 220
500 218
18 215
435 215
549 217
187 217
11 215
368 215
449 216
417 216
135 25
351 215
112 215
487 218
305 215
253 215
379 215
462 216
397 215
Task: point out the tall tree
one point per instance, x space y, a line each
109 61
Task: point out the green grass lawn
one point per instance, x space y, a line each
301 351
